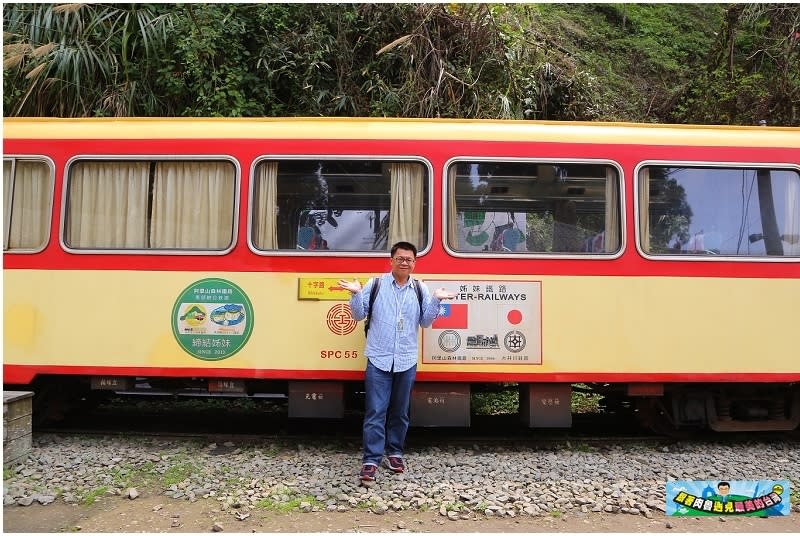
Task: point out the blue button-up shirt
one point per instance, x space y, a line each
390 346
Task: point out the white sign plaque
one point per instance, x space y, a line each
488 322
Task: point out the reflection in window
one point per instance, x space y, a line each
340 205
150 205
27 192
719 211
533 207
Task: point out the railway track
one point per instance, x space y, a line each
268 420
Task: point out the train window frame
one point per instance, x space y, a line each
237 179
637 210
621 248
49 206
386 158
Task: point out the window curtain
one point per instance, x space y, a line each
107 203
192 205
644 209
406 209
27 186
612 211
452 214
266 202
791 226
8 190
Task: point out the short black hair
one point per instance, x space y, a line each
404 245
723 483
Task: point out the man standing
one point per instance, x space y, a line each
400 307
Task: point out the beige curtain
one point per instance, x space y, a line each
406 211
8 188
791 225
452 210
644 208
612 211
27 187
192 205
106 205
265 227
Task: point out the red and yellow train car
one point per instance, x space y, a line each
658 264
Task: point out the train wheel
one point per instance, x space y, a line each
651 413
54 399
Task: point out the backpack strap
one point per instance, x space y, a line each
376 283
418 288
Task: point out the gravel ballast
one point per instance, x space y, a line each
490 480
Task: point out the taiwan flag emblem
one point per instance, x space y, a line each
451 316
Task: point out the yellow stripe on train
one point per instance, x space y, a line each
398 129
587 324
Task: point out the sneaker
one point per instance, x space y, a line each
395 463
368 472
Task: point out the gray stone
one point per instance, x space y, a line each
491 481
44 499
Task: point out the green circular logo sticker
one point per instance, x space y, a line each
212 319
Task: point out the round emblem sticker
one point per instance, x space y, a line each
449 340
212 319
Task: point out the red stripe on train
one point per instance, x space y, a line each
24 374
241 259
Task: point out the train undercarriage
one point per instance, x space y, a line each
669 409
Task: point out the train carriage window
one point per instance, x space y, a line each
533 207
339 204
143 204
27 198
719 211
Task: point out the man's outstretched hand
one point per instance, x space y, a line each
443 294
352 286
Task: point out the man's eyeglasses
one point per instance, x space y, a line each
405 260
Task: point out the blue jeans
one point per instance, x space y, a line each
386 405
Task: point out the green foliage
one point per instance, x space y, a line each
210 72
305 67
753 71
706 63
496 402
127 475
178 472
631 58
504 399
81 59
539 231
675 218
585 401
93 495
581 447
284 500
